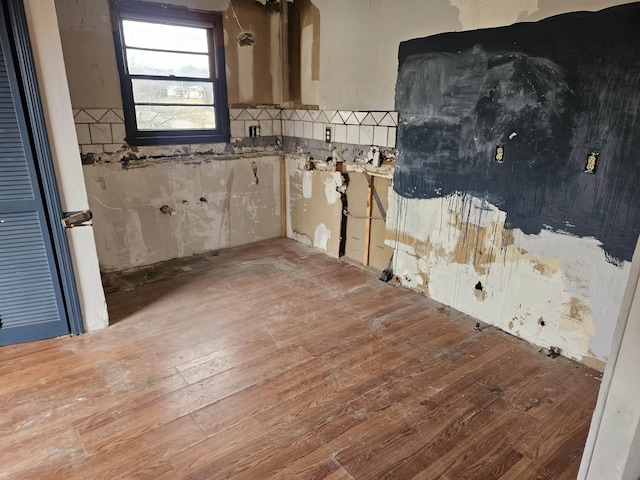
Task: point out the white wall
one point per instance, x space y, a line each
611 452
47 50
359 39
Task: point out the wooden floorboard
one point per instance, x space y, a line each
272 360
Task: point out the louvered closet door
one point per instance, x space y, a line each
31 305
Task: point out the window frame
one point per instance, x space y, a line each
181 16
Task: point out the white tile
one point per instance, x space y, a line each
273 112
353 134
100 133
394 117
345 114
387 121
314 114
308 130
92 149
244 115
96 113
360 116
337 119
340 133
237 128
307 117
299 128
322 118
83 117
82 131
330 114
110 117
254 112
392 138
378 116
366 134
289 128
299 114
266 128
380 136
118 132
352 120
318 131
263 115
234 112
119 112
368 120
286 114
75 111
277 127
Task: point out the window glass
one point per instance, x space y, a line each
171 91
159 36
147 62
173 117
171 65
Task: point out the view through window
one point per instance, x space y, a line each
169 70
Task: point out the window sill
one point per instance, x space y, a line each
176 140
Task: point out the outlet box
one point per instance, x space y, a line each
328 134
591 163
254 131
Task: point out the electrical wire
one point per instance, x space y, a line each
235 15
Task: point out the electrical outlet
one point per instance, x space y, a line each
499 157
327 134
591 163
254 131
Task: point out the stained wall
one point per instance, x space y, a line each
548 261
220 195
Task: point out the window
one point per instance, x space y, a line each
171 63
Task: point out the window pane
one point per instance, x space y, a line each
144 62
164 117
170 91
159 36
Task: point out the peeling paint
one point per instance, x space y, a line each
321 237
332 186
311 218
307 184
131 231
458 240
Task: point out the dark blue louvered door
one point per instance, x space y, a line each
31 300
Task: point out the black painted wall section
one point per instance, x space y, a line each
550 92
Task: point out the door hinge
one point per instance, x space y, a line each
76 219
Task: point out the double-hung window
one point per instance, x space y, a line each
172 75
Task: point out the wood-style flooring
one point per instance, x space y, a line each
273 360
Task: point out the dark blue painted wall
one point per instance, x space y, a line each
550 92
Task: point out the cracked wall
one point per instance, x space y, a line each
216 203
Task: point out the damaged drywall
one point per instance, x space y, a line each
499 207
355 217
212 203
551 289
314 203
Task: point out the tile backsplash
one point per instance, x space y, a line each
101 130
347 126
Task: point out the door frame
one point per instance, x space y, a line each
29 93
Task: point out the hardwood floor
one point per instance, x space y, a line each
275 361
